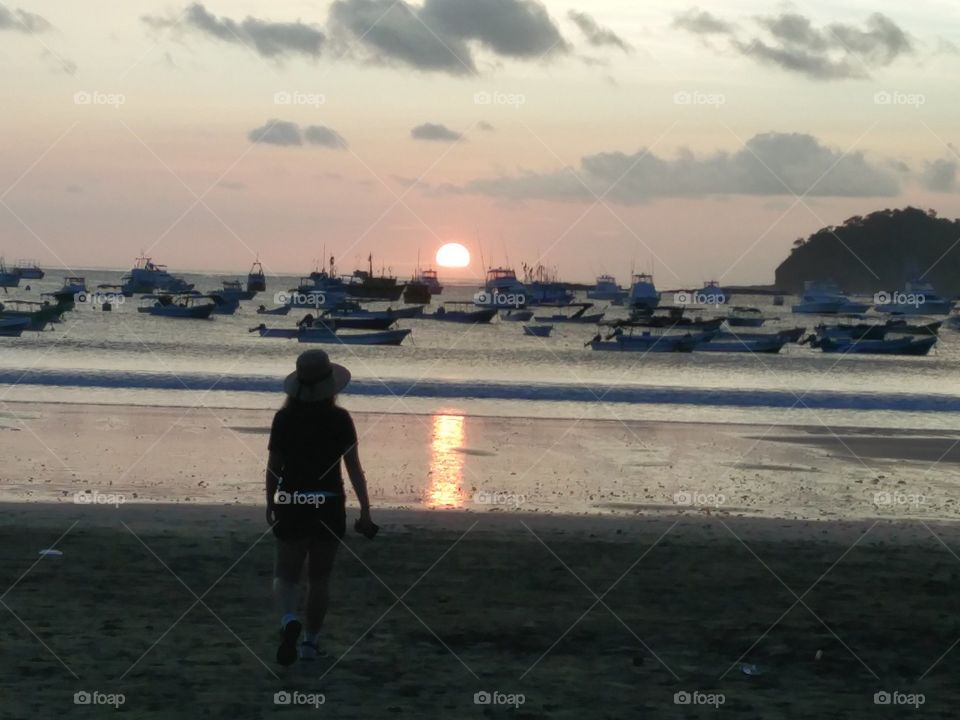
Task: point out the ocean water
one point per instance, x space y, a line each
128 357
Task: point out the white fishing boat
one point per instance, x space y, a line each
28 270
745 317
148 277
501 290
643 293
197 307
8 278
917 298
825 298
606 288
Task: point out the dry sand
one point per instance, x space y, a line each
608 613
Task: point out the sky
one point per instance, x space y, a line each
697 142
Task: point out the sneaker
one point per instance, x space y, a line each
287 652
310 651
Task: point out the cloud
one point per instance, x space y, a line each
940 176
287 134
702 23
267 39
595 34
433 131
22 21
327 137
791 41
276 132
770 164
437 35
485 126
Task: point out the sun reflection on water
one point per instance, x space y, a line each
446 464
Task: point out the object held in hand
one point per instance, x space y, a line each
368 529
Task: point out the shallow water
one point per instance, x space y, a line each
129 357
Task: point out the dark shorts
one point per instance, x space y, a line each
326 521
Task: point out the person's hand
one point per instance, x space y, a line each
271 514
365 525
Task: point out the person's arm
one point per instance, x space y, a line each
274 469
359 481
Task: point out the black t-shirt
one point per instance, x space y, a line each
311 439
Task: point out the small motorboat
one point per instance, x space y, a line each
902 326
538 330
281 310
321 334
38 314
516 315
731 342
13 326
579 316
647 341
464 315
907 345
194 307
745 317
860 331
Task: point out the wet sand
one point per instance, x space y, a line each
604 593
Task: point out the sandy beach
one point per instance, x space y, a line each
784 584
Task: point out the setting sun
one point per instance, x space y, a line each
453 255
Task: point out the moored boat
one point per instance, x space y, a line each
325 334
501 290
745 317
8 278
917 298
196 307
906 345
733 343
461 312
256 280
538 330
578 316
28 270
606 288
13 326
516 315
148 277
825 298
643 293
264 310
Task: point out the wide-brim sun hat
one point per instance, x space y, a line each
316 378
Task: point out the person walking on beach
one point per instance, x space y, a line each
305 495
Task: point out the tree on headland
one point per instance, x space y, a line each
879 251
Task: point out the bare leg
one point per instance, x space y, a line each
286 577
322 554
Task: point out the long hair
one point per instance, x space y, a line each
292 403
